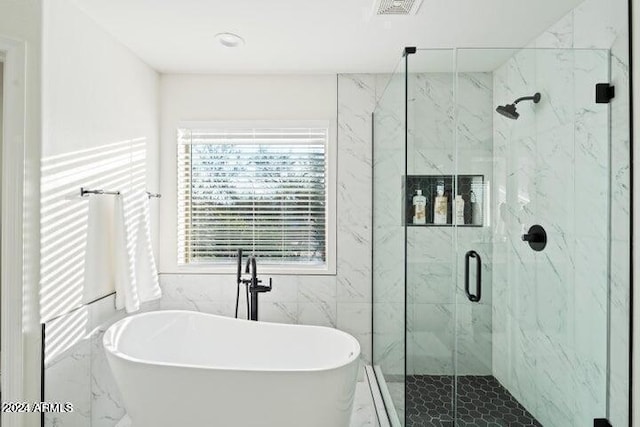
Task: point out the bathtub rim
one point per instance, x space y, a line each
110 348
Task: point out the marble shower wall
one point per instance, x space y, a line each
388 229
550 307
343 300
554 167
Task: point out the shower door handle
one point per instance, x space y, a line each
473 297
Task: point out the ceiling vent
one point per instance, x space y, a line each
397 7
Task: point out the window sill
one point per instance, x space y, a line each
263 269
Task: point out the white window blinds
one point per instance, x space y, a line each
263 190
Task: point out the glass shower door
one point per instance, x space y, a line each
430 250
531 237
389 300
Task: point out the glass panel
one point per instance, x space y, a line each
528 346
534 348
430 246
389 241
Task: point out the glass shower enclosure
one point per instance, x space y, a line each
491 303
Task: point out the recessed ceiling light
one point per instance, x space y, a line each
230 39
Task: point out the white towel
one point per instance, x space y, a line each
135 266
98 271
145 263
124 253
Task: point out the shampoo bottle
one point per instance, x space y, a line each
419 208
476 210
459 210
440 206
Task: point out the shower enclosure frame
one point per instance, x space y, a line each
409 51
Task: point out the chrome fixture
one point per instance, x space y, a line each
85 192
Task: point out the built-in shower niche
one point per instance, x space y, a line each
470 187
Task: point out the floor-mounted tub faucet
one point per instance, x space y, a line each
253 284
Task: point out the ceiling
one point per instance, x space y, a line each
305 36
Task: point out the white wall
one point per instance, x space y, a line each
208 98
100 120
100 126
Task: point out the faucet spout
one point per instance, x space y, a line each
246 269
254 271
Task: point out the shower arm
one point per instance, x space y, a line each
535 98
524 98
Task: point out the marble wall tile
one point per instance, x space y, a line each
554 403
279 312
388 337
474 122
620 223
319 313
355 318
559 35
619 333
68 379
78 372
388 232
430 345
356 102
474 339
598 24
106 402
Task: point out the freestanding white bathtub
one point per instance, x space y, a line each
189 369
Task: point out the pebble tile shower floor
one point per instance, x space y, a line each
482 402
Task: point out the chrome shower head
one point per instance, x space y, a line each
510 111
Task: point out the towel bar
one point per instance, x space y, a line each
84 192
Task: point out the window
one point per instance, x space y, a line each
262 188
